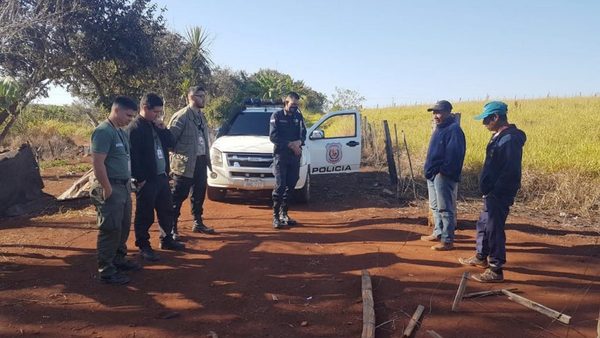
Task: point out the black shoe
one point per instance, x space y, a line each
128 265
115 279
172 245
200 227
149 255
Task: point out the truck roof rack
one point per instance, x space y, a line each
257 102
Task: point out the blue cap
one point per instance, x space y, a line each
491 108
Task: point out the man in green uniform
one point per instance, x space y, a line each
111 193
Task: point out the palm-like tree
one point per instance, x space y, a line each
198 62
9 99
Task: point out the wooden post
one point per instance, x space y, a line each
414 321
537 307
412 174
389 152
368 306
398 186
461 290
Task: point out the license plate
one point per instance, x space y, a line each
253 183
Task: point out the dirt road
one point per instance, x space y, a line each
252 281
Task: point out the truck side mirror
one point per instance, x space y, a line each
317 134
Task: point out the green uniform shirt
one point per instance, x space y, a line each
161 163
113 142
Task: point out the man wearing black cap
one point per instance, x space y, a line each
443 167
499 182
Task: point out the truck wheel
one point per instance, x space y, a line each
215 194
303 194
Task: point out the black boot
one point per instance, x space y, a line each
199 226
283 217
276 222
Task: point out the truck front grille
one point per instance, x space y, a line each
241 160
253 175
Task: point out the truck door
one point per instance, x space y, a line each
334 143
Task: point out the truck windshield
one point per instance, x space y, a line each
250 124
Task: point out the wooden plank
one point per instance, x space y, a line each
461 290
368 306
599 324
414 321
537 307
486 293
434 334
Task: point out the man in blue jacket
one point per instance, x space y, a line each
499 182
443 167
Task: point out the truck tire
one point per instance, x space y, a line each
215 194
302 195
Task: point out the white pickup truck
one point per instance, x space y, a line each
242 154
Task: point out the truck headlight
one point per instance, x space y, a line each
216 157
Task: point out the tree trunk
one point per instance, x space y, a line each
6 129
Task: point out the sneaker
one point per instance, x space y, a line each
474 261
431 238
172 245
443 247
115 279
128 265
287 220
277 223
200 227
489 276
149 255
176 236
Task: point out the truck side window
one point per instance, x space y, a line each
339 126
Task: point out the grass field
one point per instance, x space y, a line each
561 156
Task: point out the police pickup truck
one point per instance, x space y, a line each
242 154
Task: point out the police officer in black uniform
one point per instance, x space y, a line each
288 133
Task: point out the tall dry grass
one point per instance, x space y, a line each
561 158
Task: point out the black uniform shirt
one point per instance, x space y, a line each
284 129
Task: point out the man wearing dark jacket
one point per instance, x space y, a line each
499 181
287 132
443 167
150 141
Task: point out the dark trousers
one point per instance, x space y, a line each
491 239
181 190
114 220
287 172
154 195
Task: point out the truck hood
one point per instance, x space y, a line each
244 144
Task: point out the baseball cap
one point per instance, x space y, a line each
442 105
491 108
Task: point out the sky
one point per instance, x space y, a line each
405 52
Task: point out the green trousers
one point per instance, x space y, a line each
114 221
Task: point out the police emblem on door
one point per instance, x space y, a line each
333 152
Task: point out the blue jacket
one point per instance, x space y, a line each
446 152
501 173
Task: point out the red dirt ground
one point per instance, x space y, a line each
252 281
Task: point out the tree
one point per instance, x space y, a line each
271 84
346 99
97 49
28 61
197 63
